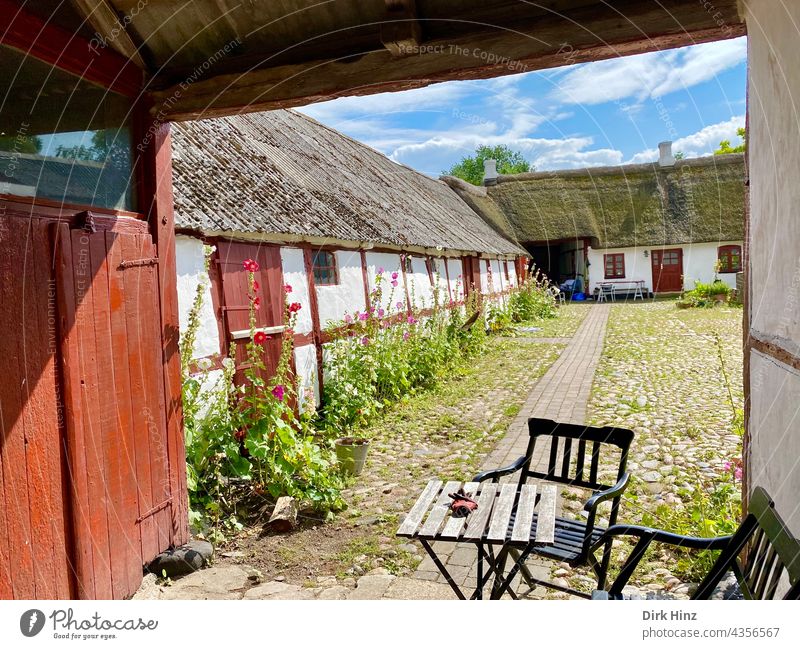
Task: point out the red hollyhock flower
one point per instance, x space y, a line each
250 265
294 307
256 303
260 338
256 285
287 288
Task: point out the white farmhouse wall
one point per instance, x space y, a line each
348 295
699 260
774 286
190 267
390 263
305 360
455 269
294 274
512 273
440 276
420 289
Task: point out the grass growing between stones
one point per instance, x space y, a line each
661 374
442 433
564 325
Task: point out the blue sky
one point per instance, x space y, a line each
604 113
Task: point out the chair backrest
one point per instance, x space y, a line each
576 453
763 554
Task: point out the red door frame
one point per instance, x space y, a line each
675 281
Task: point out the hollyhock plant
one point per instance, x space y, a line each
256 303
294 307
380 271
394 283
412 320
250 265
363 316
365 341
399 306
256 285
260 338
394 275
348 318
380 313
278 392
406 335
287 288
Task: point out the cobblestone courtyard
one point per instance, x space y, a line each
646 366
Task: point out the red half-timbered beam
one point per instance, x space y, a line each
43 40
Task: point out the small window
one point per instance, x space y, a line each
325 271
730 259
406 263
505 268
615 265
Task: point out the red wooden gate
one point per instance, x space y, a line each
667 270
114 408
236 300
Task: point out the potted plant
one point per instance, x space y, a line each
352 454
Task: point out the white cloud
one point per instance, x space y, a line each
703 142
649 75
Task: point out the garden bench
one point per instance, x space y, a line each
762 555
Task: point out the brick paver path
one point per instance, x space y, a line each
561 394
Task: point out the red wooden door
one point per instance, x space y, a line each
236 300
123 507
667 270
472 275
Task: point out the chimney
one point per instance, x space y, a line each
665 157
490 172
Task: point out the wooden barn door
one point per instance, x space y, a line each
114 407
236 301
667 270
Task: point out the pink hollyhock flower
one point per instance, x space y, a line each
294 307
399 306
365 341
278 392
256 303
287 288
250 265
728 466
394 283
380 271
380 313
738 473
406 335
256 285
385 324
348 318
363 316
411 320
394 275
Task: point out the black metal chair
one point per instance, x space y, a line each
762 554
577 457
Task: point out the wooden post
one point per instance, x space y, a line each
157 167
316 328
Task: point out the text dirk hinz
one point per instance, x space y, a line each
668 615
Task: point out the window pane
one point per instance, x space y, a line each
61 137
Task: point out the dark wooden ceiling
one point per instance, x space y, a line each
207 58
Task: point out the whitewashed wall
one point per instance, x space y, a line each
512 273
390 263
699 260
190 266
774 283
294 274
346 297
455 268
420 289
305 360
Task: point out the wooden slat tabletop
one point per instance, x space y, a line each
430 518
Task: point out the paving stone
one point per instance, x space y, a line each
405 588
217 582
371 587
336 592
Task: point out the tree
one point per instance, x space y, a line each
471 167
725 145
21 143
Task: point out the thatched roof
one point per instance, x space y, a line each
282 173
697 200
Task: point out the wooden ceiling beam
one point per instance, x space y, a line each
111 31
585 34
401 34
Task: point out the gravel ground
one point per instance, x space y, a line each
661 375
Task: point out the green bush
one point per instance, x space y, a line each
382 355
706 295
533 300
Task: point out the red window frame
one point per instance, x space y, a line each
617 265
325 268
726 256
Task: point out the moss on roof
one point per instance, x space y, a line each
696 200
